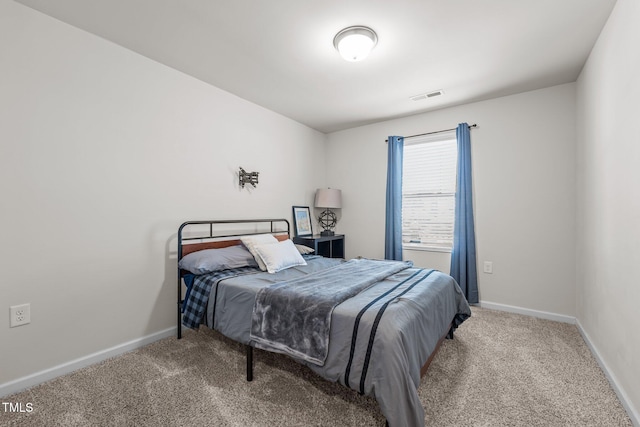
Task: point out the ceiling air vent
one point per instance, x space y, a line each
418 97
426 95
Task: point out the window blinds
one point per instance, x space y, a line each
428 191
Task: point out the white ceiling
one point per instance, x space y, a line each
279 53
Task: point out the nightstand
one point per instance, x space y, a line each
326 246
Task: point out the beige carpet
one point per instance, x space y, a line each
501 370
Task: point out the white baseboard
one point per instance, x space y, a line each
51 373
622 396
528 312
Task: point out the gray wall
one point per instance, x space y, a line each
524 193
104 153
608 226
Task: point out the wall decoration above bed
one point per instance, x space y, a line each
245 177
302 221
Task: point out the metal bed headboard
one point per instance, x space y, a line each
276 226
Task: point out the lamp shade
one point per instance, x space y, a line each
329 198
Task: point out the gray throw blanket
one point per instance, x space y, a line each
294 317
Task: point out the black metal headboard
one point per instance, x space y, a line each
275 226
214 237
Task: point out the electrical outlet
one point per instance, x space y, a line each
20 315
488 267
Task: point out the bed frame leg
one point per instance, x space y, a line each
450 333
179 320
249 363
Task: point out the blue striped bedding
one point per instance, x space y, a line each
378 339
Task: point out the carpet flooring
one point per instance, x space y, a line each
501 369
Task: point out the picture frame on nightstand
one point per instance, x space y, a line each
302 221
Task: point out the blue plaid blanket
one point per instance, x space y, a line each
197 297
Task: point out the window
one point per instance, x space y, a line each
428 192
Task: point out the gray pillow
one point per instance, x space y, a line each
209 260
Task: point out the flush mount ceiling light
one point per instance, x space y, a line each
355 43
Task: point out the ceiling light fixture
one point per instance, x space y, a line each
355 43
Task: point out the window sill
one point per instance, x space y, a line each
425 248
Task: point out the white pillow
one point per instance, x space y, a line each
251 241
279 256
304 250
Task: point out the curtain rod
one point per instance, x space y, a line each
431 133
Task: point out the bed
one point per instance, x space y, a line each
371 325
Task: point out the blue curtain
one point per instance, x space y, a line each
463 257
393 224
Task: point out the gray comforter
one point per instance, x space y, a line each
378 351
294 316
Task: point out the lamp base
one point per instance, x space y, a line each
327 233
